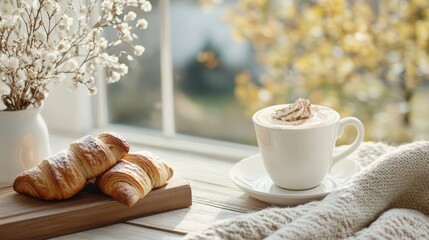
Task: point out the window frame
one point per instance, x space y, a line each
167 138
167 87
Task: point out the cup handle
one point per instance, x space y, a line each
359 138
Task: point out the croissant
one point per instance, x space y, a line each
64 174
134 176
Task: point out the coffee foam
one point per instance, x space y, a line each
321 116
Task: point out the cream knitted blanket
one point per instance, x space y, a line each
388 199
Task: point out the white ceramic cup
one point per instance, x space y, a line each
299 158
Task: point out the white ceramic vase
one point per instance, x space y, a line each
24 142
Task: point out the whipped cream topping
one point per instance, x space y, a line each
297 112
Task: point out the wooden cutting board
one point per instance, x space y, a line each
23 217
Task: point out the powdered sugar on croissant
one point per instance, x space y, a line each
135 175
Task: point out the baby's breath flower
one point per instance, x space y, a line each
138 50
92 91
63 46
127 38
90 80
102 43
115 76
52 56
130 16
107 5
123 27
142 23
90 45
123 69
48 7
117 10
57 8
146 6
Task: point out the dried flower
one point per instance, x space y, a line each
115 76
123 69
92 91
138 50
146 5
43 42
142 24
130 16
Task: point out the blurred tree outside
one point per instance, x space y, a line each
205 62
364 58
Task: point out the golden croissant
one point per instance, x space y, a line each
64 174
134 176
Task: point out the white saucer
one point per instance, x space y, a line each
249 175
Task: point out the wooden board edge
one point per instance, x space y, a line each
64 223
88 198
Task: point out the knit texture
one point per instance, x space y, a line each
388 199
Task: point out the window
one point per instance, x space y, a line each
202 82
205 61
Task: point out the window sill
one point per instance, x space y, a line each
141 138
